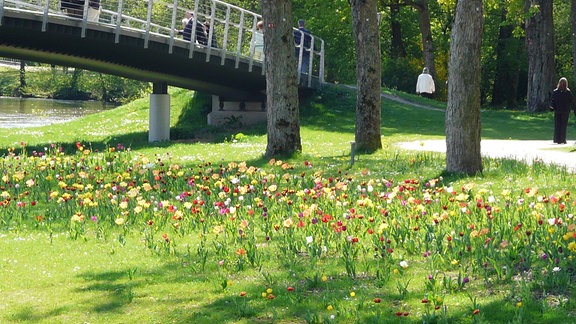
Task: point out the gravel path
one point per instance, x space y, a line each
527 151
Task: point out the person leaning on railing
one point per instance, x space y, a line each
303 38
94 10
200 35
214 42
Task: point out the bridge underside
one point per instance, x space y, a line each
62 44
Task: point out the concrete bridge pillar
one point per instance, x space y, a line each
159 120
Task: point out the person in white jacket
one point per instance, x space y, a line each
425 84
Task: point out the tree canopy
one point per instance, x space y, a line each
504 63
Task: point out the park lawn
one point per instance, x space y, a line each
70 262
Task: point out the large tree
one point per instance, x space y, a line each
507 64
426 31
20 89
281 79
540 51
368 75
573 30
463 111
398 48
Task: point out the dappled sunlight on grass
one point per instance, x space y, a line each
98 225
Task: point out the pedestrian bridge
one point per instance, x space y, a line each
140 40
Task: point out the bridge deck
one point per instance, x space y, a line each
153 53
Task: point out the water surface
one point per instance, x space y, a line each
30 112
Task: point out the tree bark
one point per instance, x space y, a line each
398 49
368 75
282 104
426 31
22 77
540 51
463 111
506 78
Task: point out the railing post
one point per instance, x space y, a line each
44 15
300 53
211 30
225 38
239 43
310 60
84 18
118 21
252 45
321 72
148 18
174 13
193 31
1 11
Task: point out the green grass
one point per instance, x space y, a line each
55 270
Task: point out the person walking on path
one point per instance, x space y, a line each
561 103
425 84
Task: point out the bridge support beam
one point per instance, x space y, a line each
159 120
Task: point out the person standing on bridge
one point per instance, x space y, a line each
258 41
194 34
186 18
303 40
210 35
94 10
75 9
561 103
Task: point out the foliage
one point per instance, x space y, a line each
64 83
399 74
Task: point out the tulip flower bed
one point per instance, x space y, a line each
291 241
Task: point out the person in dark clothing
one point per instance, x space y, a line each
561 103
200 35
75 8
208 34
303 38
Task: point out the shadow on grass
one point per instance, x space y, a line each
332 109
205 305
30 314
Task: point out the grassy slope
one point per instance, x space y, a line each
324 115
78 281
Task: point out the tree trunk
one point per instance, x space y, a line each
426 31
540 51
463 111
508 52
281 79
398 49
368 75
74 89
22 77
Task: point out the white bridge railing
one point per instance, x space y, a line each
232 28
